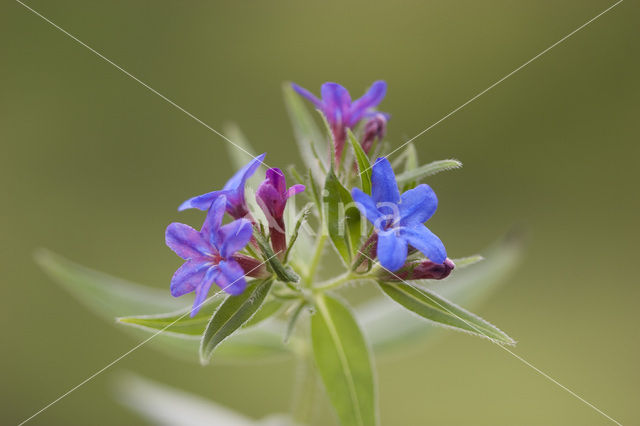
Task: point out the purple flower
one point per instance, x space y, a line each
398 220
272 196
340 112
374 129
233 191
209 254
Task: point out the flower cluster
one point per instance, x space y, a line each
225 254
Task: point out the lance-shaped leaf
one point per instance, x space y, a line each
439 310
342 218
231 315
419 173
309 139
343 360
364 167
104 294
240 151
284 273
180 323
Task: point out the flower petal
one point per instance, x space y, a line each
392 250
201 202
213 220
231 278
270 201
188 277
234 236
374 95
295 189
367 207
383 182
235 185
426 241
186 242
417 205
307 94
202 290
336 102
276 178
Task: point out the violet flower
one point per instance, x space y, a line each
272 196
340 112
398 220
209 254
233 191
374 129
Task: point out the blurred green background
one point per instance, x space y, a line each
93 166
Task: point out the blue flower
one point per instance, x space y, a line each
399 219
233 191
209 254
340 112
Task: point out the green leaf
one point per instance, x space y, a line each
342 218
364 167
344 363
231 315
304 216
464 262
416 175
241 151
177 323
439 310
104 294
307 135
266 311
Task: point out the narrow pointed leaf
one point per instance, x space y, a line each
416 175
364 167
464 262
231 315
240 151
344 363
342 218
267 310
284 273
439 310
104 294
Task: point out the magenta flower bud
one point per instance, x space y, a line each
374 129
272 196
252 267
420 270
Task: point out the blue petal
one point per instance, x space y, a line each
231 277
234 237
426 241
213 220
336 101
383 183
392 250
188 277
203 289
417 205
307 94
367 207
236 184
370 99
201 202
186 242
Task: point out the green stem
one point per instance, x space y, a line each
315 261
339 280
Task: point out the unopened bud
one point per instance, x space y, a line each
374 129
420 270
251 267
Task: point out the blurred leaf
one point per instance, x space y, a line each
241 151
342 218
293 320
344 363
105 295
306 133
410 155
231 315
464 262
165 405
179 322
416 175
364 167
391 328
439 310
